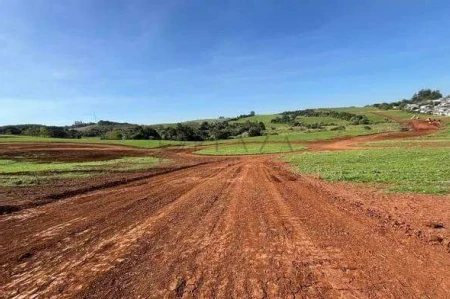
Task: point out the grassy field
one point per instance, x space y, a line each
440 138
16 172
319 119
424 170
249 149
134 143
370 112
314 135
401 114
411 143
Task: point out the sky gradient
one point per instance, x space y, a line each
151 62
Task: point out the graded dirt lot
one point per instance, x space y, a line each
228 227
63 152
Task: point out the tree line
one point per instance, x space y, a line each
108 130
290 117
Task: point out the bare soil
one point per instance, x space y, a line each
66 152
234 227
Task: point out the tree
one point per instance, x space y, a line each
262 125
32 131
254 131
426 95
44 132
115 134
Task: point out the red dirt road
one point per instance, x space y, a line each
233 228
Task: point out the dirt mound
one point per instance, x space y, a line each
418 124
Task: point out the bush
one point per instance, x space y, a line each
338 128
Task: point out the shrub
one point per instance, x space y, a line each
338 128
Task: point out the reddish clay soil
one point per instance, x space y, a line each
234 227
67 152
13 198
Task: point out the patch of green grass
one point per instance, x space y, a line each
422 170
410 143
370 112
38 179
321 119
317 135
250 149
134 143
440 135
441 138
309 135
12 166
17 173
402 114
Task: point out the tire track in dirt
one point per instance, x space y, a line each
102 233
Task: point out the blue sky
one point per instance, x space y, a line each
148 62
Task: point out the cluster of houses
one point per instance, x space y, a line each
437 107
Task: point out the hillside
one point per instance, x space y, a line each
323 123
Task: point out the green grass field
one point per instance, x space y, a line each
411 143
315 135
424 170
17 172
134 143
370 112
266 118
250 149
440 138
325 120
401 114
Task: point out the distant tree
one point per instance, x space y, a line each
426 95
262 125
115 134
254 131
143 133
31 131
44 132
